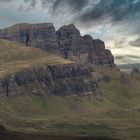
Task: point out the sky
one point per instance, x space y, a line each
116 22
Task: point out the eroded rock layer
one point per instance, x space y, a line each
68 79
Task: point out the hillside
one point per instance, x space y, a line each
66 42
116 116
15 56
45 94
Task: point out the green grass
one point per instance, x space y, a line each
15 57
74 115
116 116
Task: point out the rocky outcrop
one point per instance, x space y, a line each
68 79
83 48
66 42
42 36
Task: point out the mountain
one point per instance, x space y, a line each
66 42
61 79
26 67
62 83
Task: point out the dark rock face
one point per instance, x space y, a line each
69 79
83 48
42 36
66 42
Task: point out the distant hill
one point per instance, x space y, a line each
129 67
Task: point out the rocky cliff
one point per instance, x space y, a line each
66 42
68 79
62 79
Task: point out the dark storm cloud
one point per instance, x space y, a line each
116 10
135 43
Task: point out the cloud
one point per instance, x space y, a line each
135 43
113 10
74 4
59 5
96 10
6 0
87 12
54 5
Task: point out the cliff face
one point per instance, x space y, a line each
68 79
36 35
60 80
66 42
83 48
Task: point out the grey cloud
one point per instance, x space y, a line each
55 5
6 0
74 4
101 9
117 10
135 43
86 13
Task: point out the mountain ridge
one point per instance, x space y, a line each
66 42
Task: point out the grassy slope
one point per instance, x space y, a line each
15 57
116 116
